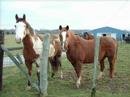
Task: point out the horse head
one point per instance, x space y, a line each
88 36
64 35
21 28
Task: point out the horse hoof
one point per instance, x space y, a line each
52 75
77 85
28 88
61 77
100 76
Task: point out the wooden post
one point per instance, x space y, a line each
1 57
18 64
96 56
44 66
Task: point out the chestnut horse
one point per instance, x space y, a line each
80 51
88 36
32 47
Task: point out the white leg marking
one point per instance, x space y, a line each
28 88
38 69
78 82
100 75
61 74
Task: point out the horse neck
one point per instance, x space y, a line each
30 29
30 33
27 42
72 37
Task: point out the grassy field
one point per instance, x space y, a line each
14 83
9 42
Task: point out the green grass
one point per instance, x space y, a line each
9 42
14 83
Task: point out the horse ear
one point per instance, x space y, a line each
24 17
16 17
67 27
60 27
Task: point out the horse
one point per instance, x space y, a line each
80 51
87 36
32 47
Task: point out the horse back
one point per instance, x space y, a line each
108 47
81 50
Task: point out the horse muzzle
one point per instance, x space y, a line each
64 50
64 47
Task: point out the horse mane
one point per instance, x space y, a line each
73 36
31 30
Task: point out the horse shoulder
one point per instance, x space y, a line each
37 44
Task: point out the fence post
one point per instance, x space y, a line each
1 57
96 56
44 66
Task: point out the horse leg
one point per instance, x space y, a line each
58 59
78 69
111 62
102 66
29 66
61 73
52 66
56 64
38 73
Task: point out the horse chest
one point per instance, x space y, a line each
37 45
84 53
89 55
75 54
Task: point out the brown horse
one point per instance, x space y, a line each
80 51
88 36
32 47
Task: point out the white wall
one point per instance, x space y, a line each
110 34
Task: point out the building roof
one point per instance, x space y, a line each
107 30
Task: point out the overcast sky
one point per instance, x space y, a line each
76 14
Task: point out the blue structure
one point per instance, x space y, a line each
109 31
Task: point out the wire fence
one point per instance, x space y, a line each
7 62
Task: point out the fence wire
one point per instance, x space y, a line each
7 62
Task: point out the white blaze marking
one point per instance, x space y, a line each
19 30
64 38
